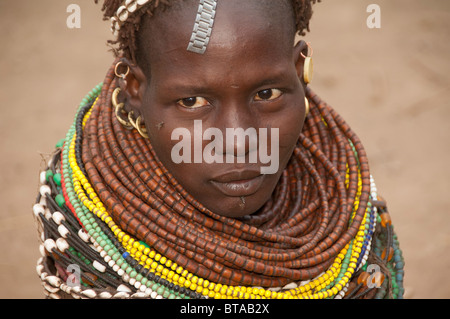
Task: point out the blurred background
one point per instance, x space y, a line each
391 84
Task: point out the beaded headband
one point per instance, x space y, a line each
201 33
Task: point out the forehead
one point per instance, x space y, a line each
238 24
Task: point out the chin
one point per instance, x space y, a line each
237 207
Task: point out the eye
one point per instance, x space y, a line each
193 102
268 94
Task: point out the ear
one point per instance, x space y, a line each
300 51
133 87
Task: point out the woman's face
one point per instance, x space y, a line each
195 106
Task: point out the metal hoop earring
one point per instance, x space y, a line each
141 128
137 124
308 67
118 110
307 106
121 75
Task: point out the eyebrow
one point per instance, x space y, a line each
272 80
191 88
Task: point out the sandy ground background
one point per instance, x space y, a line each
392 85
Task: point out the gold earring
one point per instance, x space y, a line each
121 75
118 110
141 128
137 124
308 68
307 107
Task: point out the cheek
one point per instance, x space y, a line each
290 125
159 125
184 173
163 131
160 133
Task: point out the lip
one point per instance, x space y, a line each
238 183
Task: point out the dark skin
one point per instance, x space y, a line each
251 76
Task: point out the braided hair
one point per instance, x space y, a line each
126 43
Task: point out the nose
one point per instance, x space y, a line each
239 126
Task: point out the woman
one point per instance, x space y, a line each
205 167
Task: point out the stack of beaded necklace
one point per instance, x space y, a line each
115 224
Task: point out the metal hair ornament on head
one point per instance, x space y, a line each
204 22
